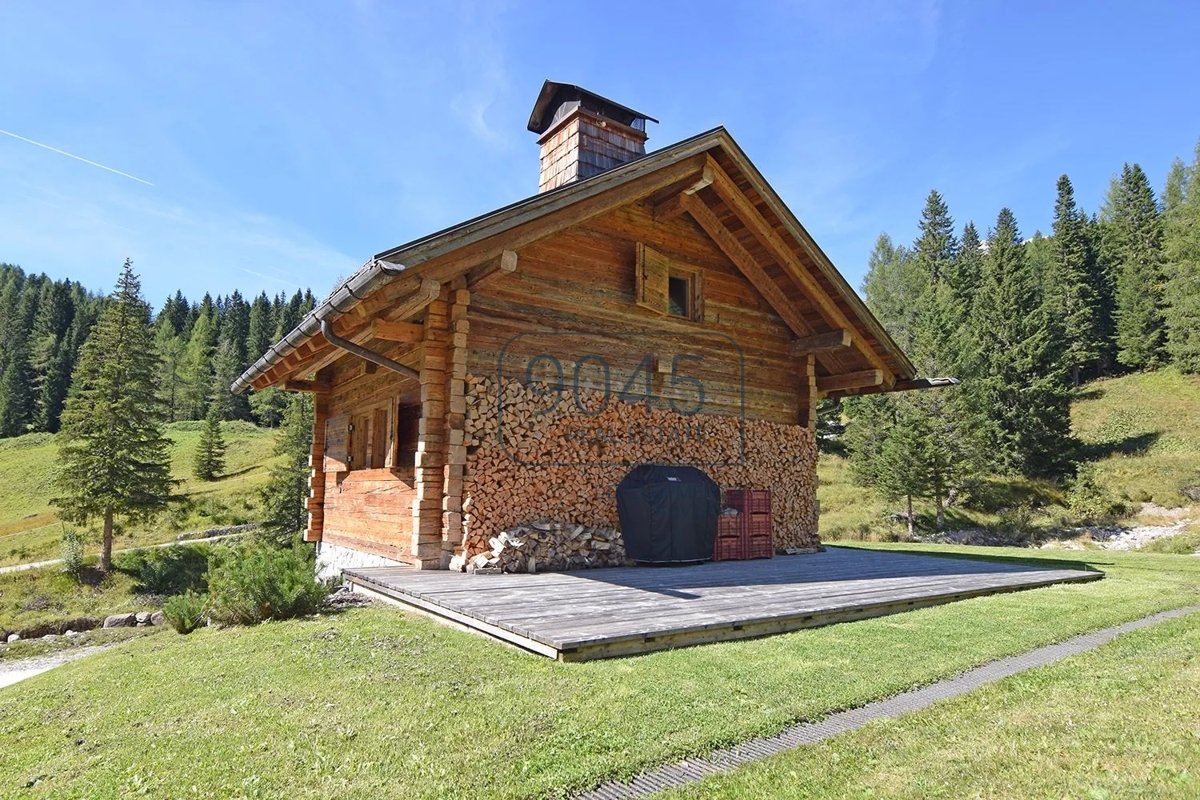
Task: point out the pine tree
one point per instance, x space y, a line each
113 455
1072 296
210 452
261 328
891 282
172 353
966 272
1136 235
1018 380
226 370
284 498
198 363
936 248
1181 248
16 373
50 358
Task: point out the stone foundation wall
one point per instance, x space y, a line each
537 455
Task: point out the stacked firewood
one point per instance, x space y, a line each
536 454
547 546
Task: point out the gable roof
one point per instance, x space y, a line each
806 287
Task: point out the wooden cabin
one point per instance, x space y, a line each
663 307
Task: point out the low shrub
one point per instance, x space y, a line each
258 581
186 612
72 552
1089 502
169 570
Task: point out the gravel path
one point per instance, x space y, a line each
243 529
18 670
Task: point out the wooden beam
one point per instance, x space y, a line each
822 342
809 396
306 386
757 224
850 380
673 206
426 293
504 264
745 262
397 331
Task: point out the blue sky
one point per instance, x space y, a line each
282 144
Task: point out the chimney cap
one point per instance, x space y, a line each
555 95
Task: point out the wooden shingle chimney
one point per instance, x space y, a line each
583 134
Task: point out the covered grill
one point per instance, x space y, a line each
668 513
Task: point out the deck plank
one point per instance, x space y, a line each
620 611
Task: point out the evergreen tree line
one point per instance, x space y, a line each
201 348
1023 323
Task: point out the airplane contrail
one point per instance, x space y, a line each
77 158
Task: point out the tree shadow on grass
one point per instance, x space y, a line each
1129 446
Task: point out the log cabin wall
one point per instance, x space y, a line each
559 343
368 478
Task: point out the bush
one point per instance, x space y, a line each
169 570
186 612
72 552
1089 502
258 581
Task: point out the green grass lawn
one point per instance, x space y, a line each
30 529
375 703
1116 722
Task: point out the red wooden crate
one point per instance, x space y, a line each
758 547
729 525
758 524
749 501
728 548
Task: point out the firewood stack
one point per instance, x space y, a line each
533 454
547 546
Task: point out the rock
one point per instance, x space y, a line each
71 633
13 637
142 618
120 621
49 637
158 618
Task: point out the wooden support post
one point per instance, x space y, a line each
810 397
316 475
453 534
306 386
673 206
429 476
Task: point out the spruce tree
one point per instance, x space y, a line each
1182 252
966 272
113 455
1072 294
226 369
285 512
891 283
1018 380
1140 279
210 452
198 363
936 248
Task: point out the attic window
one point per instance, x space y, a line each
667 287
679 296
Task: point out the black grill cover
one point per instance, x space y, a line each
668 514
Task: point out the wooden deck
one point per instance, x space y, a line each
599 613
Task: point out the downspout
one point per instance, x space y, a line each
360 284
364 353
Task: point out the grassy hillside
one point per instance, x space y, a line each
1142 433
30 529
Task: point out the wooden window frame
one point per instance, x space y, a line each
654 272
